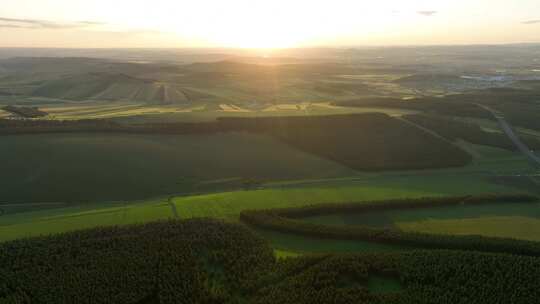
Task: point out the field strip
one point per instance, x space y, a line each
173 207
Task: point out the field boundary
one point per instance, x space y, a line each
289 220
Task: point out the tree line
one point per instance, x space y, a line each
289 220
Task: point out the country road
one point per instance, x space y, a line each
512 135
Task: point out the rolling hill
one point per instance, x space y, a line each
110 86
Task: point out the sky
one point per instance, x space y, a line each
265 23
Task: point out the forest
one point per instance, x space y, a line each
207 261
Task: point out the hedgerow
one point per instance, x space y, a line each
289 220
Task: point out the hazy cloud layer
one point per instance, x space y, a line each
537 21
427 13
43 24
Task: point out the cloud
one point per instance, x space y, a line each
44 24
11 26
427 13
537 21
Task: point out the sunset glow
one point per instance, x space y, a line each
265 24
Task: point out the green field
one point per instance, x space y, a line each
228 205
510 220
81 181
159 179
518 227
401 217
311 185
106 167
52 221
287 245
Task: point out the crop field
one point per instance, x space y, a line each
512 220
79 167
354 224
286 244
107 110
369 141
104 167
134 112
518 227
472 179
228 206
308 187
59 220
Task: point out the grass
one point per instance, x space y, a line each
509 220
282 254
52 221
291 245
389 218
229 204
519 227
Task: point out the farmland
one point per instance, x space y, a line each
71 167
308 187
228 205
255 149
520 227
353 177
510 220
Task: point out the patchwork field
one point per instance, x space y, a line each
86 180
315 180
228 205
354 175
133 112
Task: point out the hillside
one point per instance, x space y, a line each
371 141
110 86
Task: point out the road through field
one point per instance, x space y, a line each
505 126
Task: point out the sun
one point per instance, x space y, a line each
260 36
249 24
